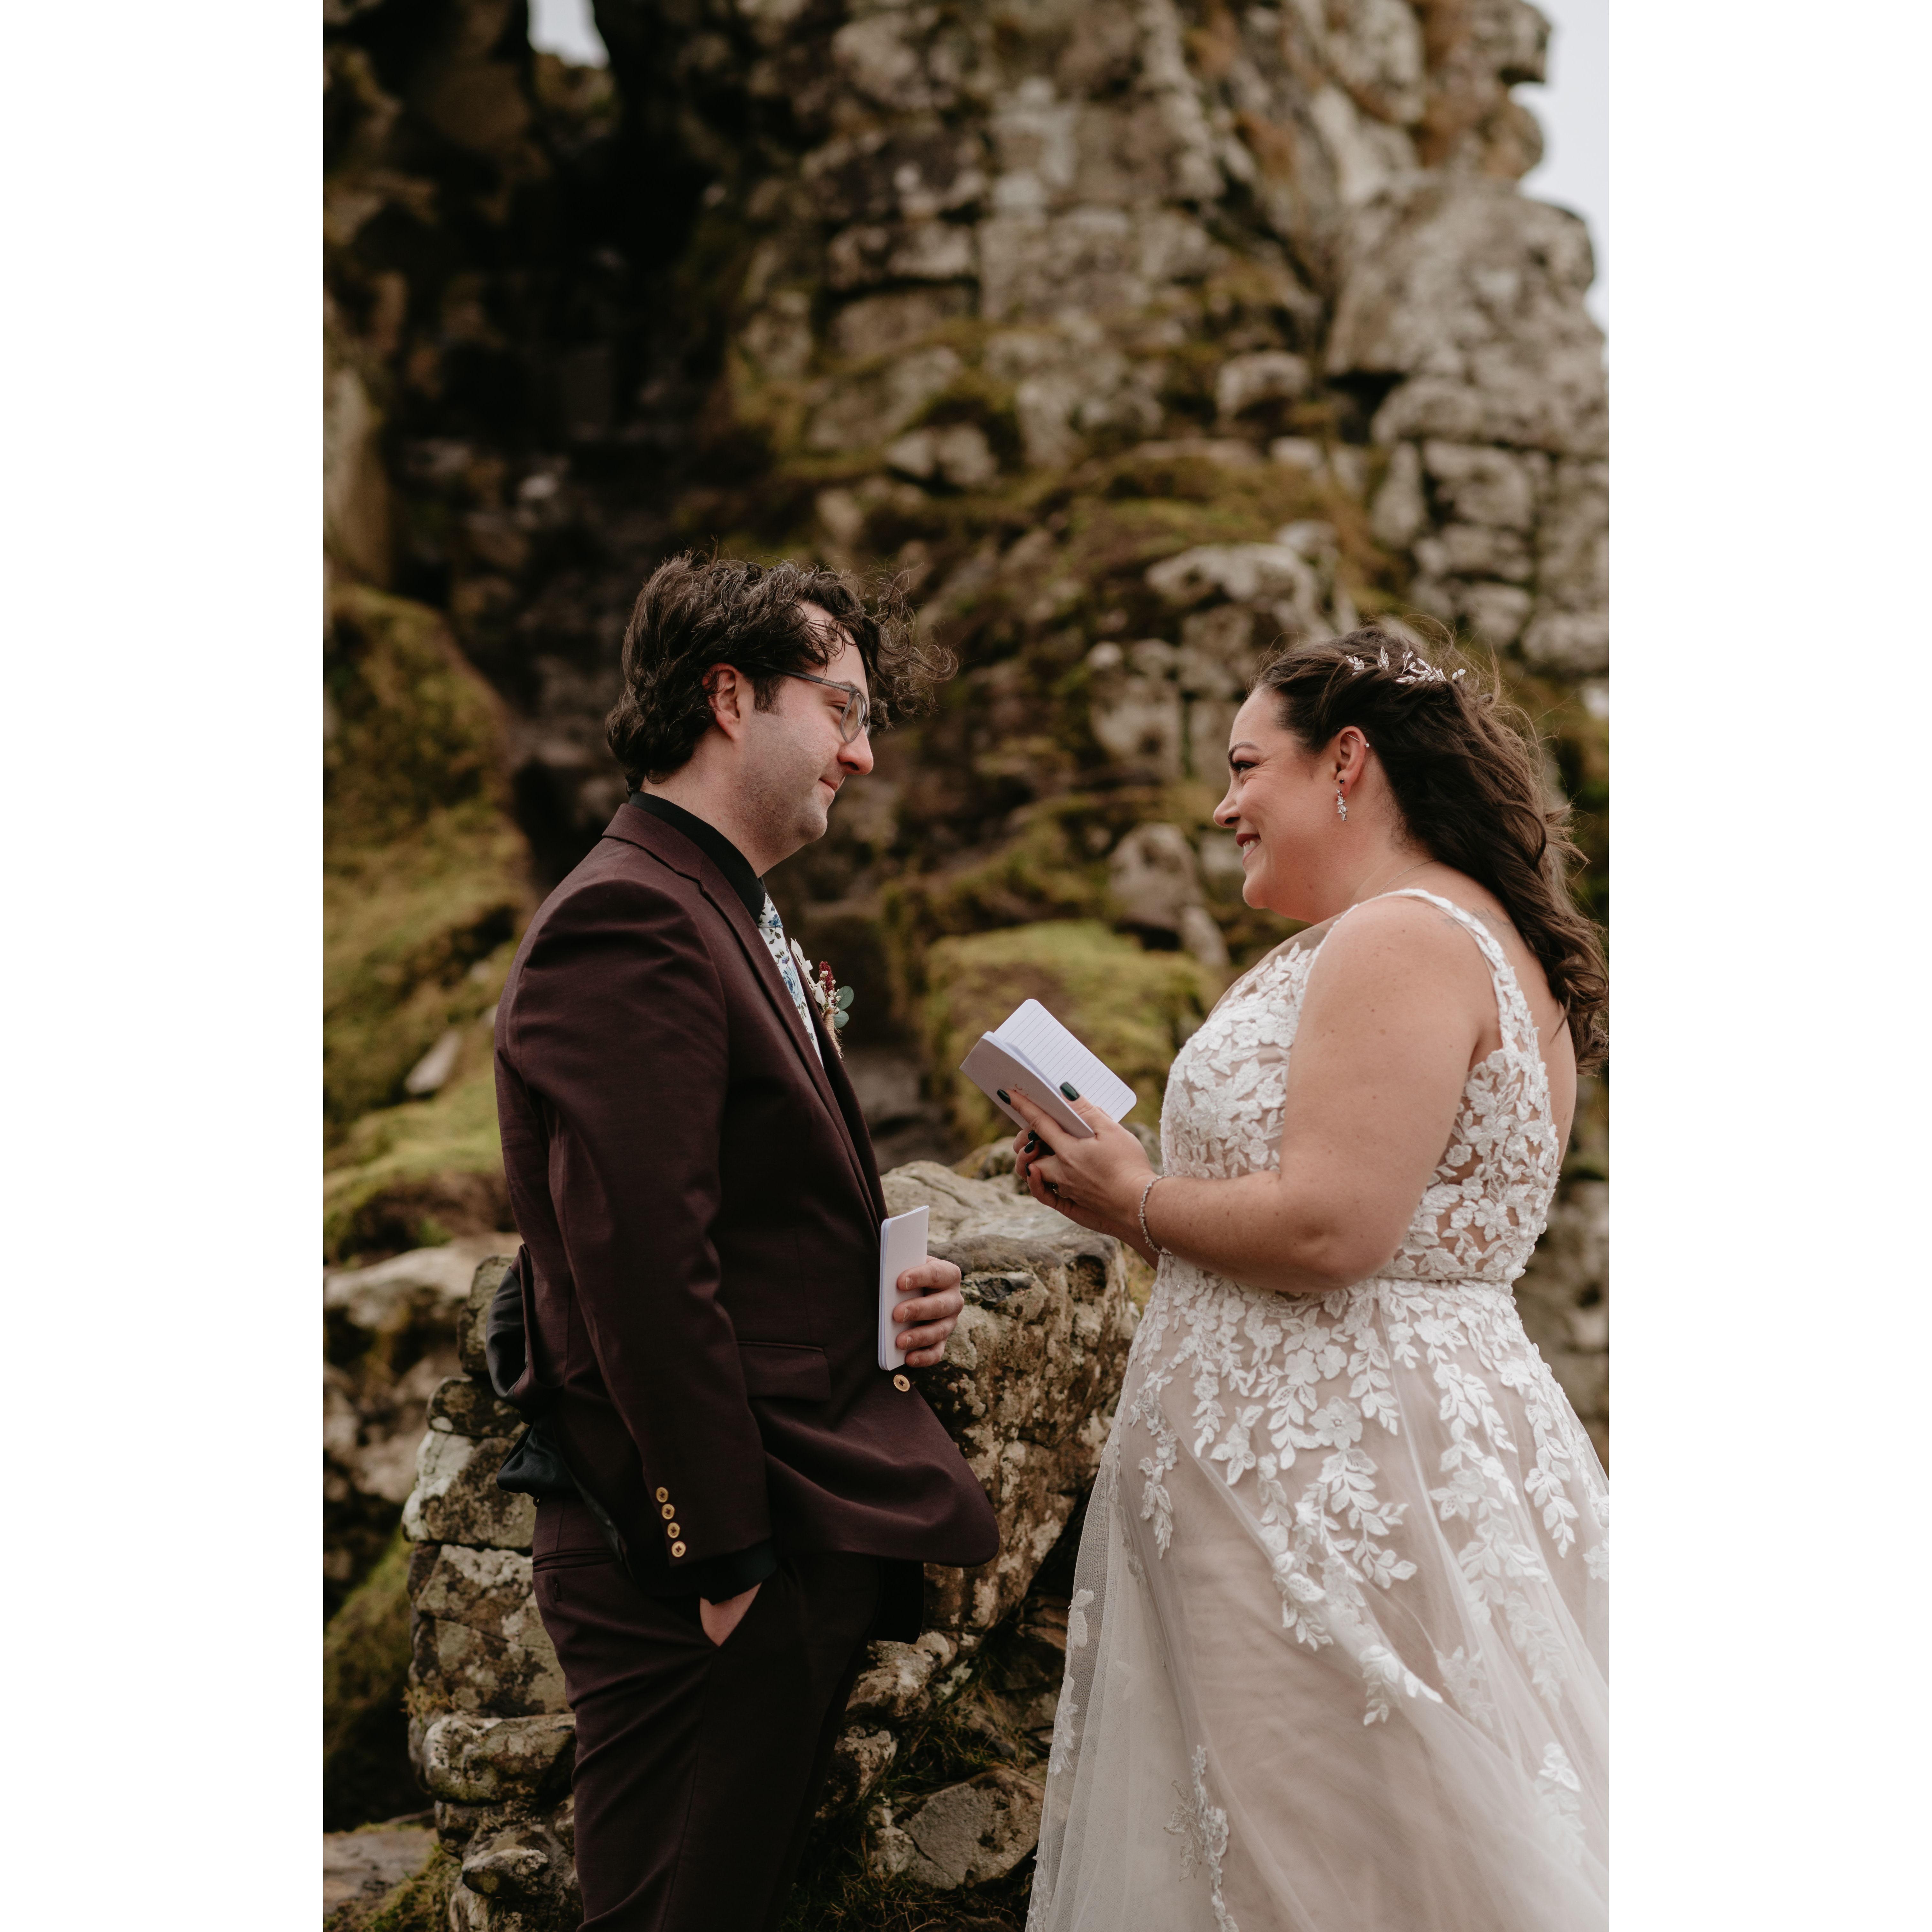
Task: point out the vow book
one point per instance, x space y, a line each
901 1246
1030 1049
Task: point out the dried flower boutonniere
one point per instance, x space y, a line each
834 1002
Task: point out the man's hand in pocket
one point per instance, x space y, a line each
720 1619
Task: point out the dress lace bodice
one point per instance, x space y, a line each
1484 1207
1291 1396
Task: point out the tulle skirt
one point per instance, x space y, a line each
1351 1680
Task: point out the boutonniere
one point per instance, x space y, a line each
834 1002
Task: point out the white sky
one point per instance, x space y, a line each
565 28
1573 108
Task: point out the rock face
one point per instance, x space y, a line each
360 1868
964 1835
1027 306
1134 336
389 1343
1026 1388
426 883
1029 1374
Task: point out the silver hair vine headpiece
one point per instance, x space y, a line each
1414 670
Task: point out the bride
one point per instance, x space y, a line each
1336 1652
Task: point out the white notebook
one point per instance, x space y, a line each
901 1246
1030 1049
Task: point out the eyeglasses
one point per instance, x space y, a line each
857 715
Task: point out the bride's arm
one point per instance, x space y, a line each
1396 1003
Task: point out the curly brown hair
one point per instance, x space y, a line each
1464 766
694 613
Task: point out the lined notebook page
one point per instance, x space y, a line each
1032 1034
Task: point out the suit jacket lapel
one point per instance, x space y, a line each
855 1120
815 1063
639 828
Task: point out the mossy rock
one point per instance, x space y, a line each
1133 1009
840 1888
420 1903
419 1175
420 935
365 1665
1053 866
1044 872
426 878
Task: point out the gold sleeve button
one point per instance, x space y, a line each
672 1529
901 1383
664 1496
677 1549
667 1512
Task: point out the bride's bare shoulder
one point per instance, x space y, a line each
1403 939
1398 918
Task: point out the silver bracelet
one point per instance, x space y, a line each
1145 1235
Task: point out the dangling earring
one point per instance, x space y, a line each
1341 806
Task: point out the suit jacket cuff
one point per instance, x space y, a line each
717 1577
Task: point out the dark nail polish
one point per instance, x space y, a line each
1033 1142
1004 1095
1072 1092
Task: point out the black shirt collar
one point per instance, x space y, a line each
713 844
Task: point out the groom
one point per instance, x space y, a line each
745 1498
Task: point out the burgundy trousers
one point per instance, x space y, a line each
698 1766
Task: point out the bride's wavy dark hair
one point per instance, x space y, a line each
1463 764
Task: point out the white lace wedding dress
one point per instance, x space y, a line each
1336 1656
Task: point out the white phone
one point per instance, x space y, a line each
901 1246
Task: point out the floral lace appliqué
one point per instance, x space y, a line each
1296 1400
1559 1803
1060 1752
1202 1829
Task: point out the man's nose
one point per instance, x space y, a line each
856 756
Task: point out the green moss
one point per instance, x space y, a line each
425 878
416 1175
365 1662
1041 874
1050 868
412 729
425 889
420 1903
419 933
1132 1009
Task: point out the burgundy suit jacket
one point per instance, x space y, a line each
698 1198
